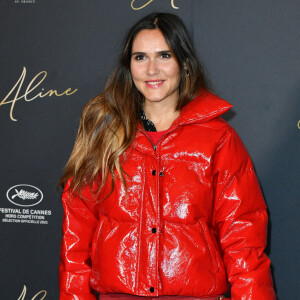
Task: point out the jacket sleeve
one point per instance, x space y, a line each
240 219
79 224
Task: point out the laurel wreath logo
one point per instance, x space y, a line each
25 195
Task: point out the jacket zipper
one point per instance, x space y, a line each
155 146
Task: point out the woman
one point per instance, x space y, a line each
167 208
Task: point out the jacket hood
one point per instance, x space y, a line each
206 106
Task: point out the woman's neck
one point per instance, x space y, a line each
161 114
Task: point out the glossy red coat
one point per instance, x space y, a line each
194 218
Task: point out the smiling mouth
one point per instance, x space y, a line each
154 84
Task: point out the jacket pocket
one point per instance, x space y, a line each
96 239
212 246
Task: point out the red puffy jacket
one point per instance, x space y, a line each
194 218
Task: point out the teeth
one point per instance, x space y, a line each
154 82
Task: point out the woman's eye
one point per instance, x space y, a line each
165 55
139 57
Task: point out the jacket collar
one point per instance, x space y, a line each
205 107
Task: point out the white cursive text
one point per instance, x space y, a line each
42 294
147 3
29 90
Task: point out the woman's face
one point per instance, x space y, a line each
154 68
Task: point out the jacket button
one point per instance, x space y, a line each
151 289
161 173
154 172
153 229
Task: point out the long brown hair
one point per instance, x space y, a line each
109 121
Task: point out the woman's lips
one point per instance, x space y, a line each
154 84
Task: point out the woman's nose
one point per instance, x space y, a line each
152 67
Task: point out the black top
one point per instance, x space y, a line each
148 125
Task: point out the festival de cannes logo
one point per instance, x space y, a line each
24 195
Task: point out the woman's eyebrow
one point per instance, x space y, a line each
164 51
143 53
138 53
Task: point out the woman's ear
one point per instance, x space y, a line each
186 68
185 65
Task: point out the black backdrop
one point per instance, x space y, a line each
250 49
